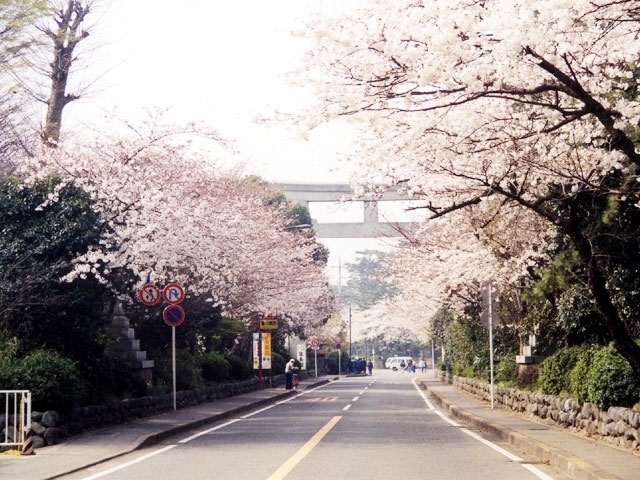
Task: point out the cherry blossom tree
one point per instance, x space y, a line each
495 107
170 213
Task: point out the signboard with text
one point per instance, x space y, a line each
266 351
268 324
301 355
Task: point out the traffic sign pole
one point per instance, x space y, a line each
173 355
260 358
315 360
339 362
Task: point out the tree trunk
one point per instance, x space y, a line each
57 97
622 339
65 39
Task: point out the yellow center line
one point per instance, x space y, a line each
297 457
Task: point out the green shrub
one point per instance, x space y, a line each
240 368
278 363
507 369
8 350
468 372
458 370
53 380
188 371
611 380
331 362
215 368
482 368
555 370
578 383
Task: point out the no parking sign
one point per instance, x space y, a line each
173 315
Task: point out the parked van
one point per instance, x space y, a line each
394 362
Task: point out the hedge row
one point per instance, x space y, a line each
589 373
56 384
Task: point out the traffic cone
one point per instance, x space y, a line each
27 446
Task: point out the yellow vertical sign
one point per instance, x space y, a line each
266 350
266 339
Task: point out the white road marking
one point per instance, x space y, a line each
421 392
447 419
256 412
302 393
361 392
366 388
347 407
204 432
355 399
199 434
128 464
534 470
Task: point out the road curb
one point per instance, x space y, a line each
151 439
564 461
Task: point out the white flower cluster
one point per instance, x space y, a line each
490 105
174 215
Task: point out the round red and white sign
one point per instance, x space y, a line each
315 343
173 315
149 294
173 293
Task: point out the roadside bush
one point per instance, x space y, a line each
188 371
278 362
109 379
578 378
53 380
331 362
482 367
611 381
468 372
507 369
553 377
240 368
215 368
8 351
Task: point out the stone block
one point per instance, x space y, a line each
50 418
37 428
38 441
52 435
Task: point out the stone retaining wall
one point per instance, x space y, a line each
617 425
50 427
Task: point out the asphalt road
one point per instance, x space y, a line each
378 427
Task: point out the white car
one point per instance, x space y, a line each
394 362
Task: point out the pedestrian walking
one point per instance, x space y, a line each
410 366
288 374
370 367
422 365
403 366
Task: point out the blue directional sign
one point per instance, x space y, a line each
173 315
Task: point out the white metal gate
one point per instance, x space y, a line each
16 405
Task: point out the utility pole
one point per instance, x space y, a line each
491 339
349 333
433 357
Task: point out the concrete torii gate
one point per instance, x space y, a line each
371 227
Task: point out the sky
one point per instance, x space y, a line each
226 65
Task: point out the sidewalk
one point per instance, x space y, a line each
571 453
96 446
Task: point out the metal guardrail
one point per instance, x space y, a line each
16 421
